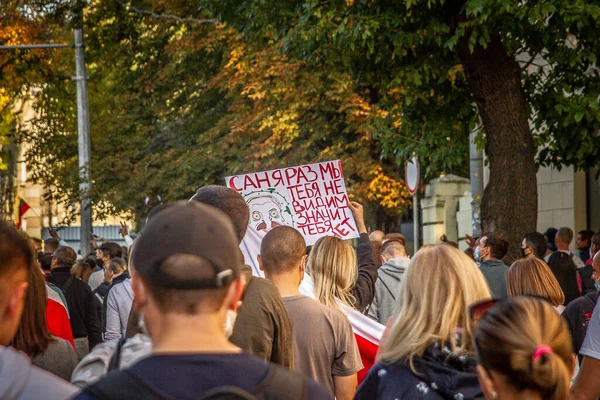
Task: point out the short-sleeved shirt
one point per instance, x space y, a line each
262 326
591 344
324 343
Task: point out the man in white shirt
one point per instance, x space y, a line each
564 237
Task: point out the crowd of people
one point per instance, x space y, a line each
177 313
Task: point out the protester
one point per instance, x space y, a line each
325 348
444 240
50 245
45 263
35 339
38 244
126 237
587 384
534 245
395 262
523 351
332 265
376 237
185 283
117 353
583 243
564 237
106 252
594 247
118 302
489 253
85 322
532 276
262 327
19 380
562 266
424 355
109 356
587 282
57 314
579 312
550 238
392 236
81 270
115 271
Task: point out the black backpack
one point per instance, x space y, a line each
278 384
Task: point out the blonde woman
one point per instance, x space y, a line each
524 351
428 353
338 274
532 276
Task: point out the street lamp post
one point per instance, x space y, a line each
83 135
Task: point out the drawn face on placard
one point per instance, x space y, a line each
266 213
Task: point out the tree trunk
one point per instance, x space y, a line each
510 199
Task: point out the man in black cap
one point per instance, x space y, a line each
187 277
263 326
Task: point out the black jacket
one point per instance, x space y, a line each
83 313
364 290
586 279
578 314
441 376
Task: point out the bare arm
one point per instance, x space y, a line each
587 385
345 387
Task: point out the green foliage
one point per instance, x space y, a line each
176 106
405 54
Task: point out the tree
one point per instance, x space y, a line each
526 73
20 70
175 105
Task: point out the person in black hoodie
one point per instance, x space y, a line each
428 352
85 322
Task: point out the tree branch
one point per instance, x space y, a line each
165 16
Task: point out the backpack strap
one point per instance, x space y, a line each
67 285
227 393
280 382
123 385
592 298
387 288
115 360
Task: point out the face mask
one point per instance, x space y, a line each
597 284
231 317
523 253
476 254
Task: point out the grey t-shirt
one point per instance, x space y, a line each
324 343
591 344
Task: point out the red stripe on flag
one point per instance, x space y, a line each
23 208
368 352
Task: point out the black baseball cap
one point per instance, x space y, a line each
189 228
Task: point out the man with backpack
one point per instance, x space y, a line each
187 279
85 322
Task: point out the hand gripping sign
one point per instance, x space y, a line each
311 198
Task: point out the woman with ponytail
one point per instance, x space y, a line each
524 350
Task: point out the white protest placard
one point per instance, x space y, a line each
311 198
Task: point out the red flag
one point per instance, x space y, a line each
23 208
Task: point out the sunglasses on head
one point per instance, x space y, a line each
478 310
